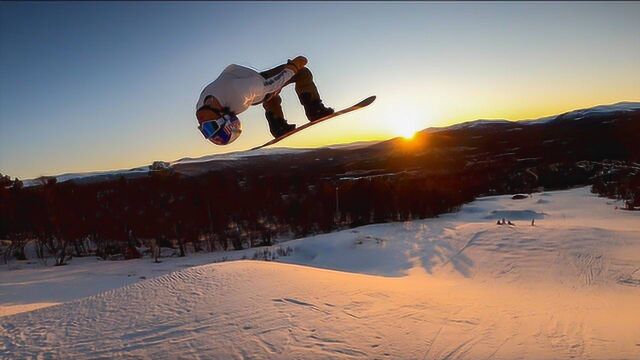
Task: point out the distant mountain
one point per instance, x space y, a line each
89 176
601 110
605 131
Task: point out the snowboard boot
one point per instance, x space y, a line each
278 126
313 107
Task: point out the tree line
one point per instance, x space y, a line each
218 211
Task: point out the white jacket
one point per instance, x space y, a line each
239 87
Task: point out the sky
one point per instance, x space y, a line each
99 86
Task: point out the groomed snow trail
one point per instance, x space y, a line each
457 287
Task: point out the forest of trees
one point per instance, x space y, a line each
622 182
218 211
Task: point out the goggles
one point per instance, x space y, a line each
211 127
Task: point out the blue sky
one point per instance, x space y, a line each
97 86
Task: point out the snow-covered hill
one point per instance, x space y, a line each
455 287
624 106
140 171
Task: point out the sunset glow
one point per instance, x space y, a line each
407 129
408 118
429 64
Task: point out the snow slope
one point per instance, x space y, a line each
454 287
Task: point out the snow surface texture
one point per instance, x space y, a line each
455 287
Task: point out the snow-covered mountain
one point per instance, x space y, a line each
89 176
623 106
619 107
454 287
239 155
269 152
601 111
143 170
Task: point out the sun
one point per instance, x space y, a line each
404 118
407 129
408 133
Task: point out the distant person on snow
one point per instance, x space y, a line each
239 87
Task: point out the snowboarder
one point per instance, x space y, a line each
239 87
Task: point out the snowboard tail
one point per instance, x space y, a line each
357 106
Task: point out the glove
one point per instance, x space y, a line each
297 64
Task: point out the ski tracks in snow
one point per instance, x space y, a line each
250 310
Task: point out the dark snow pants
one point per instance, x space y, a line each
304 84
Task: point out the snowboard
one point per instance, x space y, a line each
357 106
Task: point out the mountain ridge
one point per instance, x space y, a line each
598 110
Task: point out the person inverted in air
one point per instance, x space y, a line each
239 87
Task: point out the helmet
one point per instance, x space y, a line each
229 130
222 131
